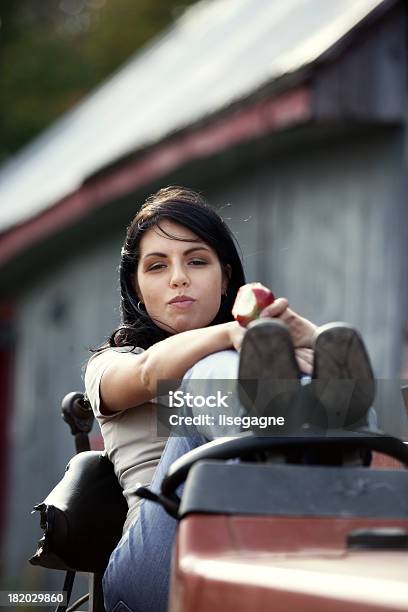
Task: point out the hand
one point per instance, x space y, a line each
302 330
235 334
304 357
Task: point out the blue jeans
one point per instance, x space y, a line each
138 573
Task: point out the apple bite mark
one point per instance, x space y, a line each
251 299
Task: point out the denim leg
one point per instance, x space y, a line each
137 575
219 365
217 372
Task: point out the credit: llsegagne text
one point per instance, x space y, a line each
245 422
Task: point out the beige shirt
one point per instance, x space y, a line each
130 436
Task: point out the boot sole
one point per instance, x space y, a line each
343 379
268 374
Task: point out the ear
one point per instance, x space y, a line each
226 275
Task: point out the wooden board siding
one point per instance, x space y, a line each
69 310
369 80
327 227
335 231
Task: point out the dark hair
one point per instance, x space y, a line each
190 209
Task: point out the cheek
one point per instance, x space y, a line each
214 298
147 289
150 296
153 296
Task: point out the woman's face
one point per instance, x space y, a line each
170 268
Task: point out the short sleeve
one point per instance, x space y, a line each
95 368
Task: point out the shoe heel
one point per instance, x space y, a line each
343 379
268 374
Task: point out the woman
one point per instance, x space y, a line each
179 275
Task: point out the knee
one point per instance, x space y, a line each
222 365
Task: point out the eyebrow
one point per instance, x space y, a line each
197 248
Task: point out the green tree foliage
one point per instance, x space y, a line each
54 52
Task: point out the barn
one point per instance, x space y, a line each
291 118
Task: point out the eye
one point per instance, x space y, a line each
155 267
198 262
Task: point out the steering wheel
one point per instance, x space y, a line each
247 444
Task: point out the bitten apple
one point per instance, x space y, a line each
251 299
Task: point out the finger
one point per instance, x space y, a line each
290 315
302 330
304 366
276 308
306 354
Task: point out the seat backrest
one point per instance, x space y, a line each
82 517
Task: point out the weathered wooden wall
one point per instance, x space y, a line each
329 231
366 77
58 319
325 226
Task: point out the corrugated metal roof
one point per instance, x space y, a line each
217 52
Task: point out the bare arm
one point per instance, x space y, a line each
131 381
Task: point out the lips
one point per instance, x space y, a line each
182 302
181 298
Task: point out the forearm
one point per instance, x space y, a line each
171 358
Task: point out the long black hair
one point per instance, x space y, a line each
190 209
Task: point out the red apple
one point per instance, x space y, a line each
251 299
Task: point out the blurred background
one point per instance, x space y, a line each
289 116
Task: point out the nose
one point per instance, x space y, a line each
179 277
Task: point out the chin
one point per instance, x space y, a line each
184 327
176 328
187 325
